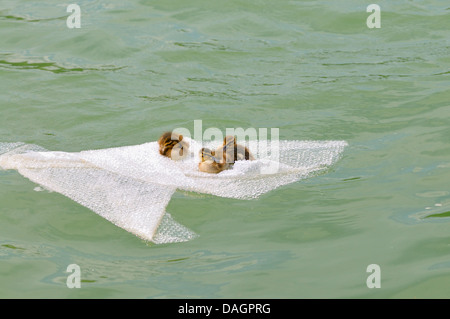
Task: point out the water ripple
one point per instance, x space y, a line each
8 62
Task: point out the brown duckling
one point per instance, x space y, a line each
209 163
173 146
232 152
223 157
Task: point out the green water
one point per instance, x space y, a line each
313 69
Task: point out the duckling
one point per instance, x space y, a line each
232 151
209 163
173 146
223 157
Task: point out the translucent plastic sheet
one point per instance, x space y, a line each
131 186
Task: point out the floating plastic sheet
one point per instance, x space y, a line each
131 186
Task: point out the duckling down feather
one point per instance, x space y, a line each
131 186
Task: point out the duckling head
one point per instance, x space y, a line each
173 146
206 155
229 141
233 152
209 163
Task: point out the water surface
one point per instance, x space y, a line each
313 69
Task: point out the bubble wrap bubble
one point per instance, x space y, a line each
131 186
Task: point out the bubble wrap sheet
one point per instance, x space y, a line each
131 186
